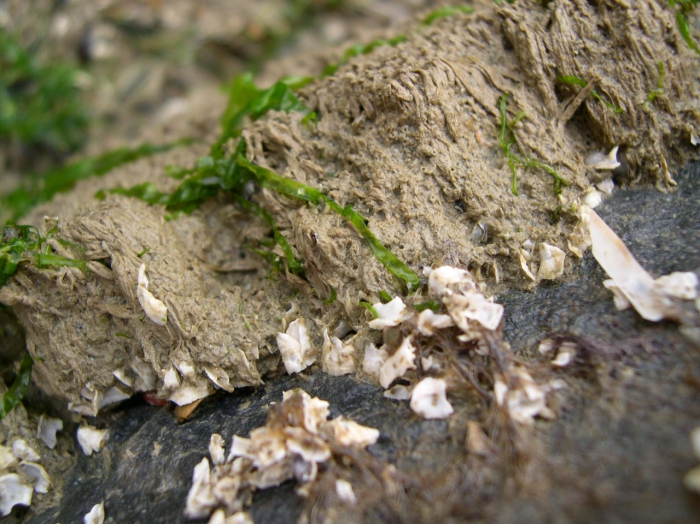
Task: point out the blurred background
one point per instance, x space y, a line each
82 76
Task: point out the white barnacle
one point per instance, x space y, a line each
24 451
551 262
47 428
200 499
373 360
429 399
603 162
349 433
338 358
13 493
38 473
345 492
155 309
216 449
679 284
389 314
429 322
295 347
398 363
91 439
592 198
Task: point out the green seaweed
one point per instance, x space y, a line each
386 297
507 140
580 82
449 10
659 87
434 305
24 244
18 390
361 49
331 299
369 307
299 191
40 104
37 190
685 7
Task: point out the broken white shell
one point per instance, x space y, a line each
565 354
447 280
580 238
694 139
338 359
91 439
429 322
398 363
171 380
219 377
592 198
112 396
429 399
24 451
186 394
295 347
389 314
603 162
525 268
122 377
7 458
345 492
551 262
38 473
619 298
200 499
347 432
528 400
398 392
96 514
216 449
145 376
315 410
155 309
683 285
473 307
13 493
630 278
373 360
606 186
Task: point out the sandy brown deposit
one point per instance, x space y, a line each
409 135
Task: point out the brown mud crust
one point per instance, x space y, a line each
407 135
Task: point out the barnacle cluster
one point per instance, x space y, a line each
296 441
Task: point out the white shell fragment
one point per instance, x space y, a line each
187 394
216 449
171 380
398 363
525 401
24 451
473 307
349 433
389 314
429 322
565 354
373 360
603 162
47 428
619 298
525 268
295 347
692 478
13 493
580 238
7 458
592 198
91 439
683 285
653 299
694 139
297 438
429 399
42 481
398 392
112 396
606 186
551 262
96 514
200 499
345 492
218 377
338 358
156 310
